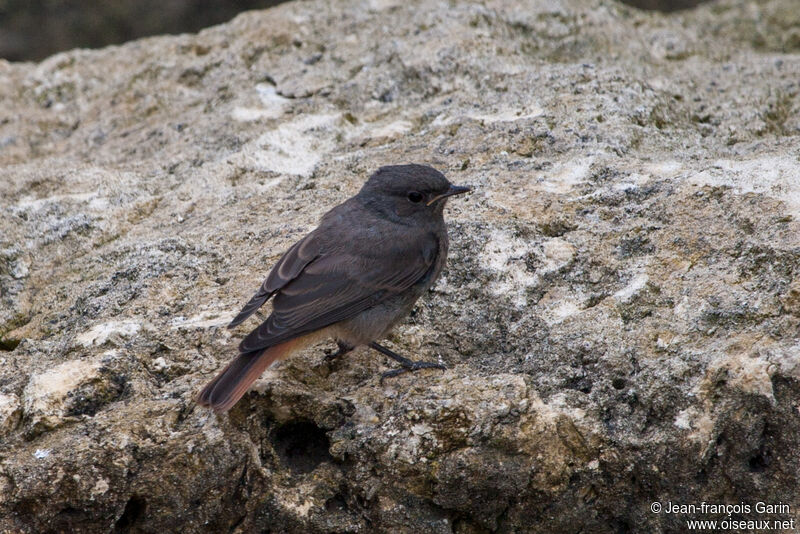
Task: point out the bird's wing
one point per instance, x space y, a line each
338 286
288 267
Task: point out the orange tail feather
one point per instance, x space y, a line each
233 382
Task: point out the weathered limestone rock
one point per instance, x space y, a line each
619 313
10 413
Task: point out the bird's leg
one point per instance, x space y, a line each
344 348
407 365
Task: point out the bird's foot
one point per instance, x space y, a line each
407 365
414 366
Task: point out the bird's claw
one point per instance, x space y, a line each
414 366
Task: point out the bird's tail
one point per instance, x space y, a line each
233 382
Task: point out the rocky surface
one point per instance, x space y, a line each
619 313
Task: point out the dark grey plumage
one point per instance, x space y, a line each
352 278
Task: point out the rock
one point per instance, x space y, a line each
100 334
10 413
619 312
70 389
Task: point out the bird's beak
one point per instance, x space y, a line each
454 190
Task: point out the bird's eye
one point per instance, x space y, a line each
415 196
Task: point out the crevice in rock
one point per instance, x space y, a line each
134 510
236 524
760 462
335 504
301 446
762 458
90 399
9 344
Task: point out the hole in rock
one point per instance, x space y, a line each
337 503
760 462
134 509
301 445
9 344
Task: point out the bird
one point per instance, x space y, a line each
353 278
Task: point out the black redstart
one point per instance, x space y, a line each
353 278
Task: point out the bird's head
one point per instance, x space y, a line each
409 191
